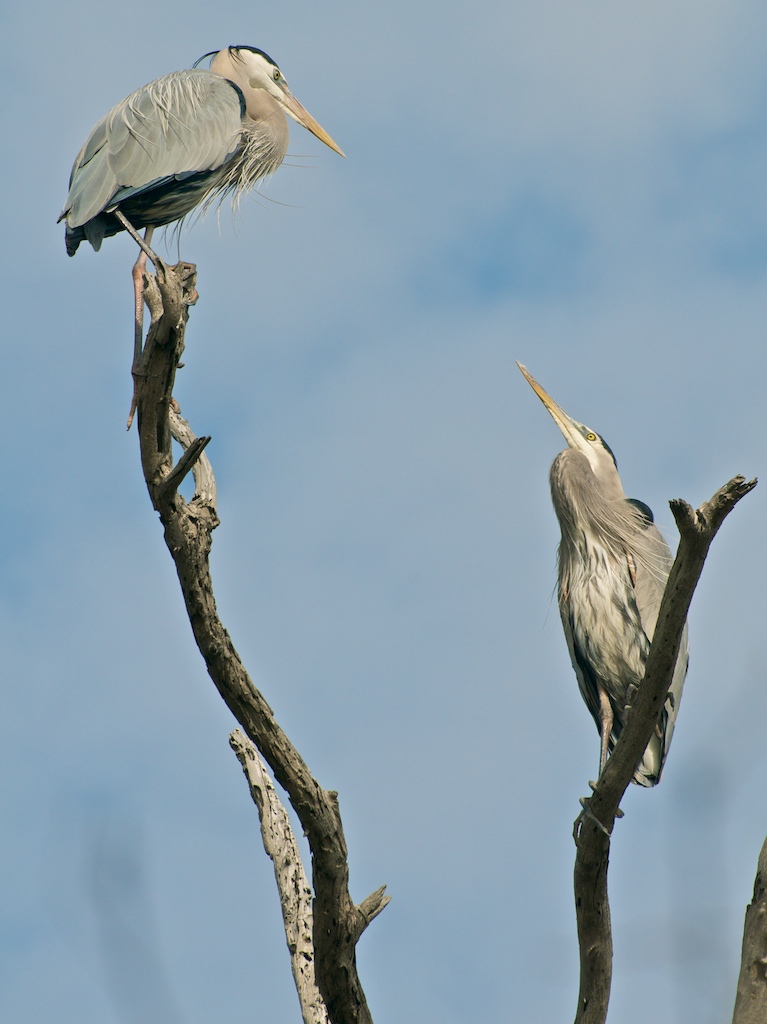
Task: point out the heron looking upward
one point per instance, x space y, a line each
613 565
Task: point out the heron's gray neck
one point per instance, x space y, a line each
591 510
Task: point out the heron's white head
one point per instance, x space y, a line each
263 85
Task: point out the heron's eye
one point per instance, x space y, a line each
276 74
591 436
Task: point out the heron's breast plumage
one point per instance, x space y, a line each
261 148
612 570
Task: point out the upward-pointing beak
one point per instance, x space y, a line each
569 427
300 114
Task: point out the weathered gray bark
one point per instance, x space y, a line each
697 530
751 1000
292 884
188 526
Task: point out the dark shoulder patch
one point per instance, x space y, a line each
644 510
240 96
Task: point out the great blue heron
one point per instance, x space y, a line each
186 138
613 565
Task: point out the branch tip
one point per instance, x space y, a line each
372 905
183 467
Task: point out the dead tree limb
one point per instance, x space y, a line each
751 999
697 530
293 886
188 526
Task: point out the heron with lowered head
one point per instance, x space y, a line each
613 565
185 140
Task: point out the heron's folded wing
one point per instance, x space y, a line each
652 561
652 574
582 665
184 123
91 183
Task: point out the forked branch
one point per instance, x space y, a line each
697 530
338 922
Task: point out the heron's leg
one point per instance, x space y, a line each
606 727
139 269
142 243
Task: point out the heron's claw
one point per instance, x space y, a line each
587 813
585 802
631 691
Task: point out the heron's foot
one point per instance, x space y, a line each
586 812
631 691
593 788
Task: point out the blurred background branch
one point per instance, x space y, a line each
751 1000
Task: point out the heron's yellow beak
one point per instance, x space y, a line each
572 430
302 115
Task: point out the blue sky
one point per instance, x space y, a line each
580 187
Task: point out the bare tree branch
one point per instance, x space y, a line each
204 480
292 884
751 1000
593 828
184 465
338 922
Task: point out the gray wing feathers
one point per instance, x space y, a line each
649 591
180 124
587 682
91 184
653 563
650 586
